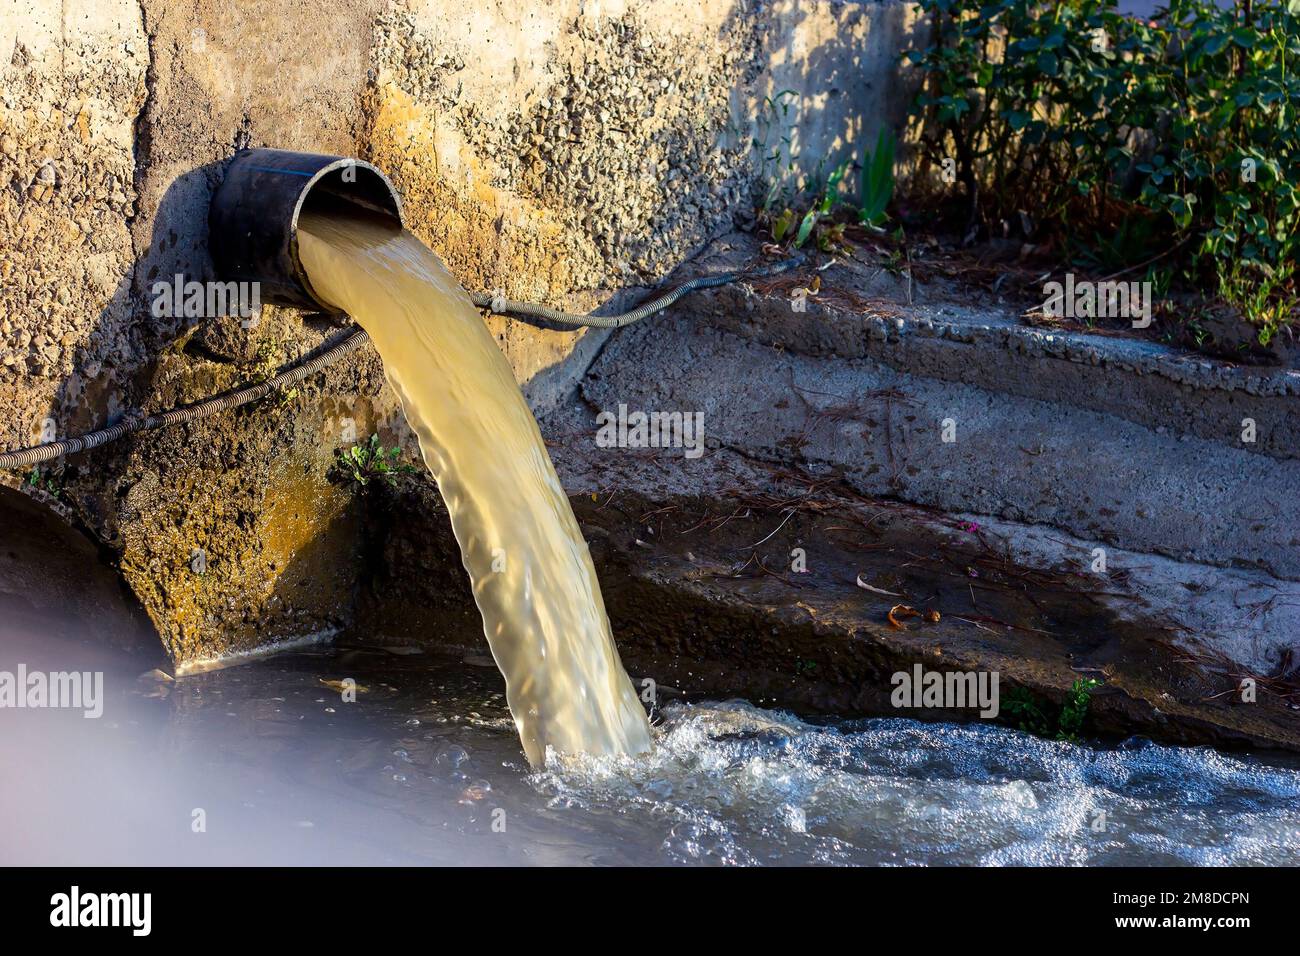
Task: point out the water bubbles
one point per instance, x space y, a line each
451 758
685 839
731 783
704 842
659 789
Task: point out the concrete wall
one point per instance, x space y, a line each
559 152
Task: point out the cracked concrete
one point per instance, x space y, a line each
960 448
935 330
697 562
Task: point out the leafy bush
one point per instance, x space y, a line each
1180 134
1028 713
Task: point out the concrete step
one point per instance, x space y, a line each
923 437
697 563
942 330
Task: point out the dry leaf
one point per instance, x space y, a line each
901 610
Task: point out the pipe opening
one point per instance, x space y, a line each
253 218
347 183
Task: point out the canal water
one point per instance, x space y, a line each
273 761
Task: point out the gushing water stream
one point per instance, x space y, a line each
531 572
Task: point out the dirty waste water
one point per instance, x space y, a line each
532 575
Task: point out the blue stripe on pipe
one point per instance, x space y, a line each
291 172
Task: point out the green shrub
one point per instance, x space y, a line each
1026 712
1180 134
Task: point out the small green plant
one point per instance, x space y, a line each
787 191
1030 714
823 205
1075 711
778 158
371 460
1023 710
781 224
877 185
806 668
45 481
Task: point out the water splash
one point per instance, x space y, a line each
733 784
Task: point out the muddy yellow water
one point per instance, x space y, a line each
532 574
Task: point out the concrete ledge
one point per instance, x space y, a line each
694 559
939 336
959 448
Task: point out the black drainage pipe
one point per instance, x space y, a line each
253 217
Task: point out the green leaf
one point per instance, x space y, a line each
877 186
805 228
782 225
832 188
1216 43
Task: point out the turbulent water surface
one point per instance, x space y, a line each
424 767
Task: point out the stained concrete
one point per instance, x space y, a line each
943 330
574 153
578 153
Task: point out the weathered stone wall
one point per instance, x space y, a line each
70 96
559 152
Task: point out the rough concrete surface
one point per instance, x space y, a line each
961 448
942 330
570 152
696 560
577 153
